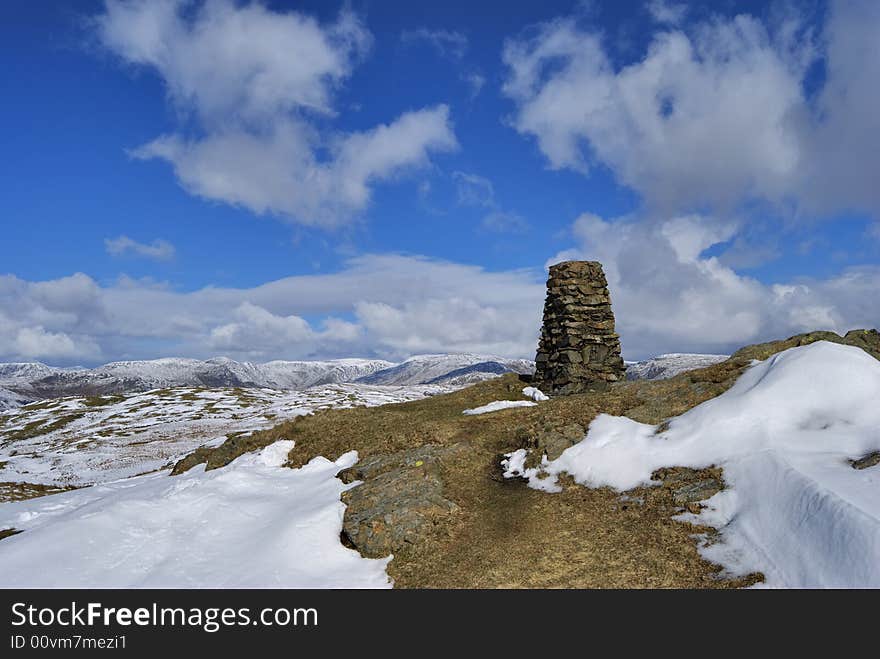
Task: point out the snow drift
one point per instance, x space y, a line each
249 524
785 435
497 405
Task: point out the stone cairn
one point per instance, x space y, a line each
579 349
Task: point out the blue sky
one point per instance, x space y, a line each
383 178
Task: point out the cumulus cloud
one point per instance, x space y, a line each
255 82
279 171
447 43
36 343
161 250
59 319
712 115
669 296
661 123
379 305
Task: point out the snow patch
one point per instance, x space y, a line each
669 365
784 434
535 394
83 441
250 524
499 405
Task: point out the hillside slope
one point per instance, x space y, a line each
24 382
453 496
457 522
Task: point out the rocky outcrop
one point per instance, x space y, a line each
687 487
870 460
550 442
579 349
400 499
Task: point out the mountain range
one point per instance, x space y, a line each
29 381
25 382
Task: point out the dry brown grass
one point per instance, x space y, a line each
506 534
21 491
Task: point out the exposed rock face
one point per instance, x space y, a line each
870 460
579 349
400 500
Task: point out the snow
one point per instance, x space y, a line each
794 508
431 368
34 381
499 405
535 394
10 399
251 524
82 441
669 365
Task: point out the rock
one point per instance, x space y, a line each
551 442
866 339
867 461
8 533
578 350
400 500
699 491
687 486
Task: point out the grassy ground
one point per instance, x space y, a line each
506 534
21 491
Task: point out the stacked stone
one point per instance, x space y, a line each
579 349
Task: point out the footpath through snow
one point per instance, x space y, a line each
785 435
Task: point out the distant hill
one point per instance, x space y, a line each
440 369
24 382
670 365
28 381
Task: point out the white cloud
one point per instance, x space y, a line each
255 80
474 190
224 60
380 305
661 123
712 116
279 172
36 343
256 329
161 250
664 12
448 43
668 296
844 142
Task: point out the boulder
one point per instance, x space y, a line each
399 501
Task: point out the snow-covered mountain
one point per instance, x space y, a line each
670 365
29 381
9 399
440 369
24 382
37 381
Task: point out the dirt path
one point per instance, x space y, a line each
505 534
511 536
